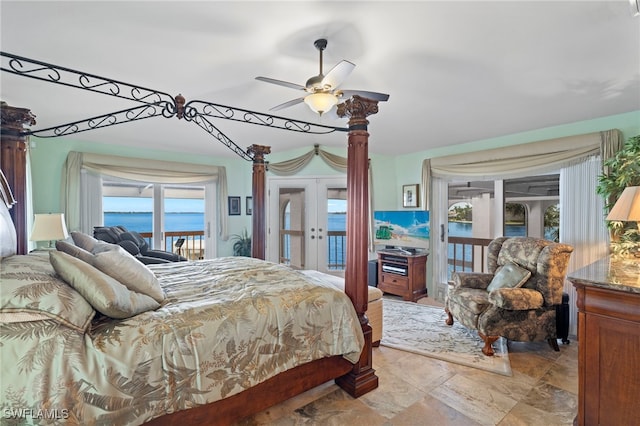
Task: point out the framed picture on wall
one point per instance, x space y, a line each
410 195
249 206
234 206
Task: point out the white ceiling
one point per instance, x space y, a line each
456 71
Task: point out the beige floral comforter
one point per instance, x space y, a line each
228 324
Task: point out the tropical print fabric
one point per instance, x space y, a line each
520 314
227 324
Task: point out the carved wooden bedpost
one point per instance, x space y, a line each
13 162
362 378
258 217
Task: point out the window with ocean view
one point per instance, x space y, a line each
135 206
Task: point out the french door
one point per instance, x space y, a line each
307 223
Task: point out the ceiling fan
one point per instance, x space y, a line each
322 90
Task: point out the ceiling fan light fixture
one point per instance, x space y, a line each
321 102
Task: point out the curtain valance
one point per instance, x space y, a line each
520 160
294 165
152 171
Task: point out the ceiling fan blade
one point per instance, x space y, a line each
281 83
338 74
287 104
365 94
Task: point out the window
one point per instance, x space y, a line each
480 211
162 213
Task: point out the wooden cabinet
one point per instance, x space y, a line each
403 274
608 342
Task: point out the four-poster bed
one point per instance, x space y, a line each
356 378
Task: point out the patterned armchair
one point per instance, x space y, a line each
517 299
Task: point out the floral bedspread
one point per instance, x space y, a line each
228 324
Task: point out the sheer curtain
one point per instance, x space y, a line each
81 185
582 222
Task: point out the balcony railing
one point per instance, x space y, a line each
192 248
467 254
336 248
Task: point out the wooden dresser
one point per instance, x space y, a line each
403 274
608 342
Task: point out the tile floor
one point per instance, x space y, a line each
417 390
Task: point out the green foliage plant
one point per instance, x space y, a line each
242 244
623 171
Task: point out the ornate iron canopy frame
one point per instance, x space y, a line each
154 103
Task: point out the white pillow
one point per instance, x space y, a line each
119 264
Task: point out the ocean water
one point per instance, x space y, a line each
143 221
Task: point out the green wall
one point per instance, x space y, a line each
49 155
408 168
389 173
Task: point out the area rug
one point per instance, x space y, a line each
421 329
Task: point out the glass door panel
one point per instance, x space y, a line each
307 223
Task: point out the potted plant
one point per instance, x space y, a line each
242 244
624 171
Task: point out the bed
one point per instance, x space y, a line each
353 373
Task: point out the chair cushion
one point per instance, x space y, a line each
509 276
473 299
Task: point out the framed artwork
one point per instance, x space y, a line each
234 206
410 195
249 206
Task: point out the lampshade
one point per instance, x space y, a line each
48 227
321 102
627 208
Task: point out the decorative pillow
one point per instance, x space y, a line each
104 293
83 240
102 246
74 251
128 270
510 275
31 290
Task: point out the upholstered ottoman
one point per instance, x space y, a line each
374 303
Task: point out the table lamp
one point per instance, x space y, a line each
49 227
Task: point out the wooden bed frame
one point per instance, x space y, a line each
356 379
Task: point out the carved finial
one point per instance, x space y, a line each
15 119
258 152
180 100
357 109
